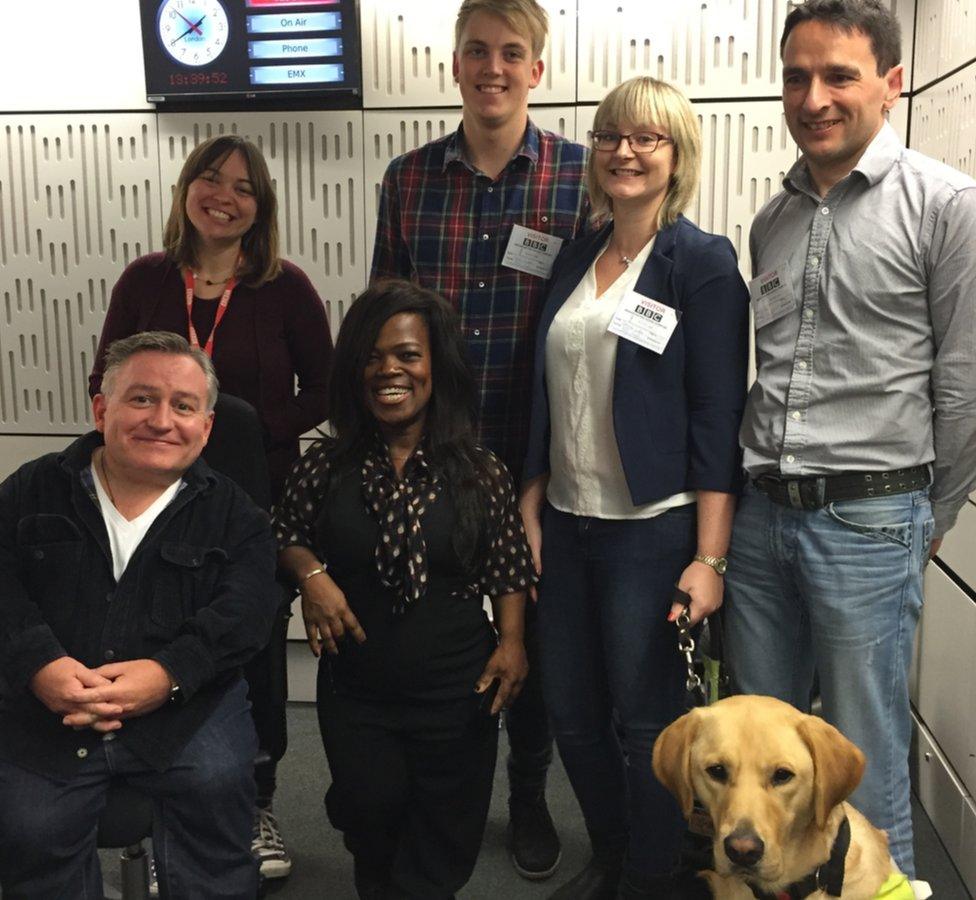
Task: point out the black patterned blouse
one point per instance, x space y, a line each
387 543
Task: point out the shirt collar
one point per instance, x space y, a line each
876 161
454 151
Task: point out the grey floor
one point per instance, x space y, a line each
322 867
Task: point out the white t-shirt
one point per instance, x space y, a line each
124 536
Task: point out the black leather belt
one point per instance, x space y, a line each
816 491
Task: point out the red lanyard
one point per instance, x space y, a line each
190 281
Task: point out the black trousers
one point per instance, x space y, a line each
411 786
267 681
527 724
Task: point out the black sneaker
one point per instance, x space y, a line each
532 839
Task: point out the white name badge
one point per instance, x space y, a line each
772 296
644 321
531 251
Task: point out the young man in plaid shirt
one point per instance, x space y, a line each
478 216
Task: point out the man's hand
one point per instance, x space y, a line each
934 549
64 686
509 665
135 687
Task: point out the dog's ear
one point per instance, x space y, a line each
672 759
837 765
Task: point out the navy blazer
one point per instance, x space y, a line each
676 414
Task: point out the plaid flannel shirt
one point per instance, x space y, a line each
445 225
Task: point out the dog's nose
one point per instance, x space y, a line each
744 847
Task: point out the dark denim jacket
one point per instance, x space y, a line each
198 595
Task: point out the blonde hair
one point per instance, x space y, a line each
525 17
259 246
646 100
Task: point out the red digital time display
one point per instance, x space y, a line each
189 79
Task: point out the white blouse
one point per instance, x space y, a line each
586 476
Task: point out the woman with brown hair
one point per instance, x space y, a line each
221 284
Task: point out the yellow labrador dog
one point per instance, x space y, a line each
774 782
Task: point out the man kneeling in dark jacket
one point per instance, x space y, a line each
134 582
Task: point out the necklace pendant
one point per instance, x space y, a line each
626 260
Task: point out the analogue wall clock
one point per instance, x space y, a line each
193 32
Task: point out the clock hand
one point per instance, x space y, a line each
192 27
188 22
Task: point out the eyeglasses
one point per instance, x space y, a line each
640 141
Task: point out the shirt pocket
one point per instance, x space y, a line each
184 582
50 549
557 223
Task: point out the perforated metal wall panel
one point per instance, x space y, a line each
710 49
407 54
945 38
898 117
315 159
944 121
78 201
746 151
715 48
388 135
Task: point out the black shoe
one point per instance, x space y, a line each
532 839
598 881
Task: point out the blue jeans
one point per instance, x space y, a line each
610 666
837 591
202 816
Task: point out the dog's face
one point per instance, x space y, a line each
766 773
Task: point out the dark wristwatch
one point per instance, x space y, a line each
718 563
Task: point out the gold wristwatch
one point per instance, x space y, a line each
718 563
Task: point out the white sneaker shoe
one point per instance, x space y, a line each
267 845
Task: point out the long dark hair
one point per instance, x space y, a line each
449 440
259 246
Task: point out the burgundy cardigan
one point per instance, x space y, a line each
268 336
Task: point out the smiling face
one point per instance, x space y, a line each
220 202
494 69
833 97
155 418
635 179
398 380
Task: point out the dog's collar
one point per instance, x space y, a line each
828 877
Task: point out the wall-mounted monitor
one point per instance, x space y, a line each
208 49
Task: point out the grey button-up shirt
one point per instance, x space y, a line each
875 366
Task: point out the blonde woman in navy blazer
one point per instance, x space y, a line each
631 476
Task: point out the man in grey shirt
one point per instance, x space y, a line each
860 431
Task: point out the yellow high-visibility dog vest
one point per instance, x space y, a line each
897 887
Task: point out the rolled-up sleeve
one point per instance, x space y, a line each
295 515
508 565
716 329
952 305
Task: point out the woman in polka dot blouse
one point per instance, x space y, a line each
394 532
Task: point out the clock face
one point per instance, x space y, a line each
193 32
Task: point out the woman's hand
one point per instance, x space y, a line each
530 506
327 615
510 666
706 588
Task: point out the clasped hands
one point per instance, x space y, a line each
101 698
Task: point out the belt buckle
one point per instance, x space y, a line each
807 493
